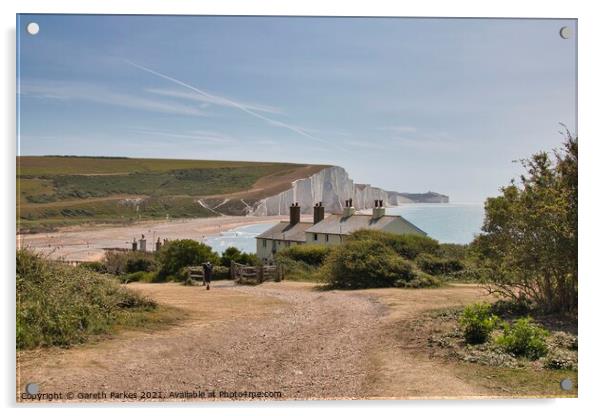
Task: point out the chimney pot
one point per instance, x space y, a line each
295 214
318 213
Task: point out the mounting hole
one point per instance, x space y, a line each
566 384
33 28
32 388
565 32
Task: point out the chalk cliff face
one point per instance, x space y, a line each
331 186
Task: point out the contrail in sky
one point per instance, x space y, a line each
232 103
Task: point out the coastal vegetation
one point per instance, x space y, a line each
168 264
59 305
526 256
371 259
529 241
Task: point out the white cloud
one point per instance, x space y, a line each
215 100
87 92
235 104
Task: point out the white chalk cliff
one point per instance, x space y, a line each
331 186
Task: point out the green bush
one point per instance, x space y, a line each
124 262
421 280
408 246
311 254
468 275
62 305
95 266
177 254
298 270
232 254
524 338
438 266
454 251
364 264
477 323
140 264
221 272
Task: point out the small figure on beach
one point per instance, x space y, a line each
207 272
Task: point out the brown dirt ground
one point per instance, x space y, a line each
286 337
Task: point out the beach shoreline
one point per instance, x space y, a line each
88 243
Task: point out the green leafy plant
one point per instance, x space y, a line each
365 264
311 254
408 246
232 254
524 338
62 305
477 323
530 235
437 266
177 254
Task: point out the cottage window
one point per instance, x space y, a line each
265 243
326 237
315 237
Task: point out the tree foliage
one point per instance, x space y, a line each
178 254
529 238
232 254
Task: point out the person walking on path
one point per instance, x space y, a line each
207 272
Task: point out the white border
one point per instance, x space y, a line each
590 153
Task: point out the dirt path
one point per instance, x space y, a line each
281 337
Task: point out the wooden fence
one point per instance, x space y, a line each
244 274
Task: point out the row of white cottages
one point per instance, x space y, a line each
332 229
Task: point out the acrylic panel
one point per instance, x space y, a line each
215 208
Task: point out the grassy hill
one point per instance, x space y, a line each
67 190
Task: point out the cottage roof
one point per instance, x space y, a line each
283 231
339 224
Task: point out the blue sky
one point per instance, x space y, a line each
405 104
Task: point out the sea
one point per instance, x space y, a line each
449 223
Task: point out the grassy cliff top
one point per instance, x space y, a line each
84 165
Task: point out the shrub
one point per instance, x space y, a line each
477 323
140 264
421 280
454 251
469 274
221 272
178 254
408 246
560 360
95 266
62 305
524 338
232 254
298 270
312 254
438 266
529 236
123 262
364 264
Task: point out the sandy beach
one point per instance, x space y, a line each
88 243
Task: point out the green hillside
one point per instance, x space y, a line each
67 190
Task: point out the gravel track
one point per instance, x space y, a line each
303 343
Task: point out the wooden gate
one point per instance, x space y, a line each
254 275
